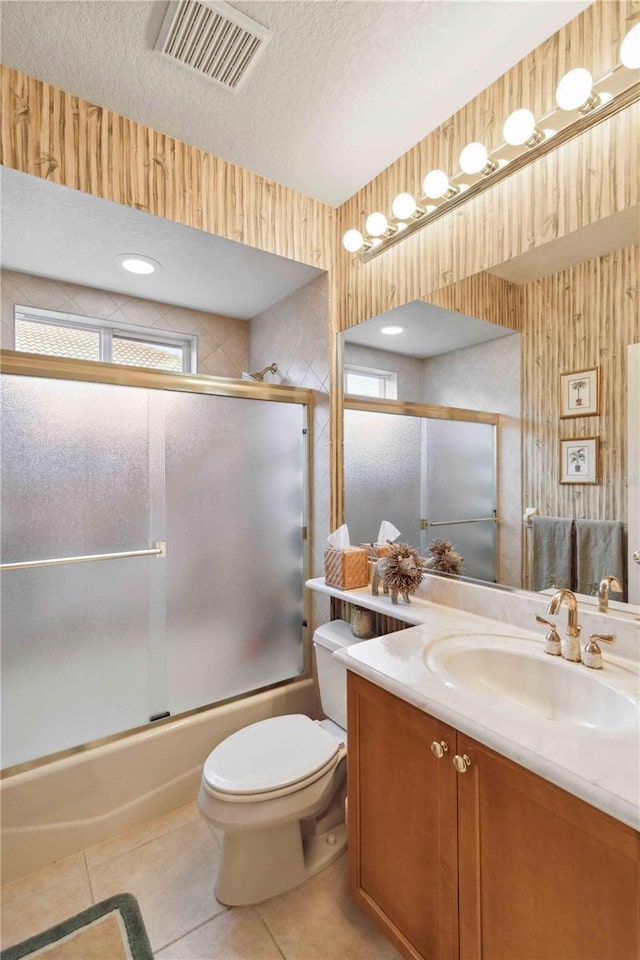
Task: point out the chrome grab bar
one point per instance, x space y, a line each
449 523
158 549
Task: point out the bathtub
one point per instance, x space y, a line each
61 807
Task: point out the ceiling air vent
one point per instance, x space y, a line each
212 38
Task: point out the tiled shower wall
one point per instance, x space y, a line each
223 342
294 334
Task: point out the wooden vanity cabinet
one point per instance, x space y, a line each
494 863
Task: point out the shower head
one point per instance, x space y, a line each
259 376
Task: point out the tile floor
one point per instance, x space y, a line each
169 865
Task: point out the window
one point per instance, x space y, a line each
83 338
368 382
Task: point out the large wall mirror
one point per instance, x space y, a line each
457 421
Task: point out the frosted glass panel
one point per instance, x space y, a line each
235 509
460 484
74 655
74 468
74 471
381 474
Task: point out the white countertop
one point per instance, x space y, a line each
600 766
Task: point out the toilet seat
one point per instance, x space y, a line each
271 758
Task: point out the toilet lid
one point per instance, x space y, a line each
269 754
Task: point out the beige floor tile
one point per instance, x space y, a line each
43 908
237 934
32 885
141 834
172 877
320 921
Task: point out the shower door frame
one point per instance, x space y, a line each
409 408
17 363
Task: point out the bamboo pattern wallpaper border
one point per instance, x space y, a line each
60 137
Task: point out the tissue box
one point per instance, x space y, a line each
377 550
346 569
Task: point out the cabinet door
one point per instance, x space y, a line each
402 822
543 875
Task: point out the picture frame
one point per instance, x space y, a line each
579 457
580 393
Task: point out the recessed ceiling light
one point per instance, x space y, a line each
136 263
392 330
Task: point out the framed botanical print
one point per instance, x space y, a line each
579 460
580 393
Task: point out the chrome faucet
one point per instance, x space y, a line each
606 584
570 649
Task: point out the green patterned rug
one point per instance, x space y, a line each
111 930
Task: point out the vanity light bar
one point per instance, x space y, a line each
581 104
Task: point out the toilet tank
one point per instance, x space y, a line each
332 676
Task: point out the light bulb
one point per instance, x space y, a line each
391 330
630 49
574 90
519 127
435 184
404 206
474 158
136 263
352 241
376 224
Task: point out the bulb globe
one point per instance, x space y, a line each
519 127
403 206
574 89
473 158
352 241
376 224
435 184
630 49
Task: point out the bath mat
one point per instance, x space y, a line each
111 930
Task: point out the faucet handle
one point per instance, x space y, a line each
592 655
552 639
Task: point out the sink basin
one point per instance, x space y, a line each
514 671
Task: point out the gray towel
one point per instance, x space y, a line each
552 549
599 552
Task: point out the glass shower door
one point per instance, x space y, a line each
95 648
235 488
75 638
459 492
381 474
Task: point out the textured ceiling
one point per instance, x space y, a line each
428 331
51 231
343 88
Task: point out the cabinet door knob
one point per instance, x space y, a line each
439 748
461 763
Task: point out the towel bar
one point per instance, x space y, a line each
158 549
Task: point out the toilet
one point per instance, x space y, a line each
277 788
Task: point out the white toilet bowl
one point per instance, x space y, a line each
277 788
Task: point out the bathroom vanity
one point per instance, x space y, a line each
494 791
486 860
